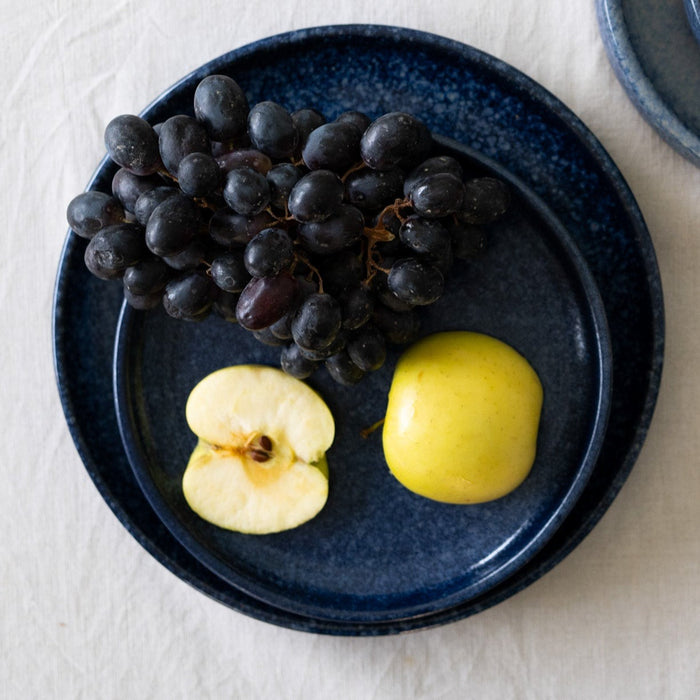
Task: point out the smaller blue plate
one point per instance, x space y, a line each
657 59
378 552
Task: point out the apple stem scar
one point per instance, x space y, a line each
366 432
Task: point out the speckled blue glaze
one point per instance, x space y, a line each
480 101
657 59
377 551
692 11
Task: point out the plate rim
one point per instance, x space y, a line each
638 233
692 11
637 84
594 310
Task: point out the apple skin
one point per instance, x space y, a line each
462 418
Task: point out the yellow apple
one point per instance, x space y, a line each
259 465
462 418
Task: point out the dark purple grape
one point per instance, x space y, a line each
389 299
225 306
90 211
282 328
443 259
249 157
317 322
179 136
305 121
233 230
172 225
425 236
198 174
316 196
268 253
190 296
305 286
392 248
272 130
367 348
358 119
246 191
114 248
282 178
343 370
388 220
267 337
437 195
334 146
468 240
149 200
382 292
148 276
195 253
371 190
339 231
341 271
229 273
431 166
243 141
356 306
127 187
265 300
295 364
395 140
221 105
485 200
132 144
391 223
143 302
415 282
399 327
321 354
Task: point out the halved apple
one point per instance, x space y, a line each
259 466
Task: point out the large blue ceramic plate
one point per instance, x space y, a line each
481 102
378 551
656 57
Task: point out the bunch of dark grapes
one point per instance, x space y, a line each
322 237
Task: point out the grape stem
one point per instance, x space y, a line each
300 257
380 234
206 204
353 169
168 175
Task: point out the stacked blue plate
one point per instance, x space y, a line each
654 50
569 279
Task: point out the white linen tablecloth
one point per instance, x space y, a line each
85 612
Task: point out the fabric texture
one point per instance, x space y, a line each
87 613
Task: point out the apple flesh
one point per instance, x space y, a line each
259 466
462 418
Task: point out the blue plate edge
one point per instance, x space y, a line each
692 12
604 161
637 85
